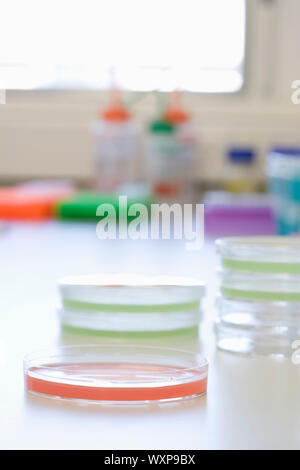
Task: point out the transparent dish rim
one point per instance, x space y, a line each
202 362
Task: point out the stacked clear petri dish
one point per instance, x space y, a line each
123 304
259 302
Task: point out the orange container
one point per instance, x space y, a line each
22 203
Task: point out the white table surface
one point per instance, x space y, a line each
252 403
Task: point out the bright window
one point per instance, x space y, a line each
195 45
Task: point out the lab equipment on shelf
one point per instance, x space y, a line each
239 171
34 200
232 214
171 154
83 205
283 172
116 137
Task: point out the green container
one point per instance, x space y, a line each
83 205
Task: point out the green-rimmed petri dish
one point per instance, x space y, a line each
130 303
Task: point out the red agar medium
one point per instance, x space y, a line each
129 380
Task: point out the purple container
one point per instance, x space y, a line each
238 215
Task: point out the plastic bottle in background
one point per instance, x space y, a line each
239 171
171 153
116 141
283 172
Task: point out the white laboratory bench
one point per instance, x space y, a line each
252 403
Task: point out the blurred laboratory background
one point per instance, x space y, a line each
172 100
161 101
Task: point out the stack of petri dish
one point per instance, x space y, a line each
259 305
125 304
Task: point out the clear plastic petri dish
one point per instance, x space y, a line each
258 315
130 303
133 323
259 308
257 340
111 374
257 328
259 286
265 254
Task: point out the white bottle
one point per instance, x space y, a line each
116 141
171 154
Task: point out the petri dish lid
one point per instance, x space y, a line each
247 313
265 253
112 292
111 373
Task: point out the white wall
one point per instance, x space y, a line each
46 134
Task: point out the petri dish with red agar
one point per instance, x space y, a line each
111 374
